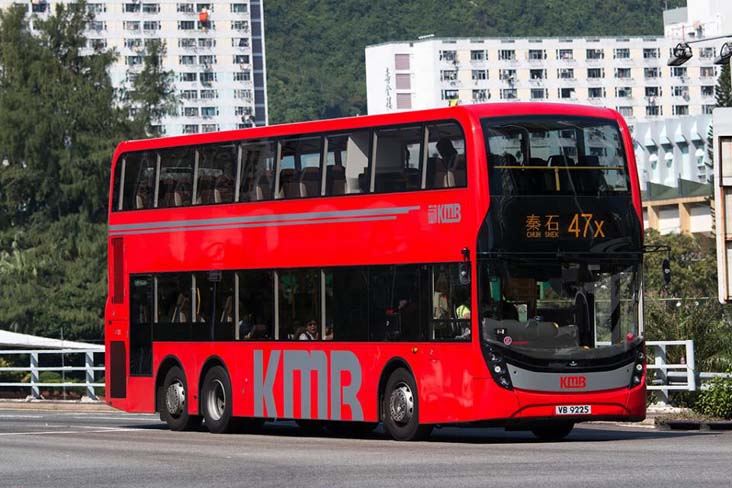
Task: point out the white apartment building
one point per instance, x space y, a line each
215 49
669 108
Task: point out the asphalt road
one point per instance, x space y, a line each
62 449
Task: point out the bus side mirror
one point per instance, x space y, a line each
464 267
666 269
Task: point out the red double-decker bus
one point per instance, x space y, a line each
469 265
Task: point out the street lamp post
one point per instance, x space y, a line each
683 52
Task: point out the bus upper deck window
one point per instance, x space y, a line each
446 167
175 182
139 180
216 174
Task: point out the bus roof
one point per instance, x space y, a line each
344 123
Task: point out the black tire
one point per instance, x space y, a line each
400 408
552 432
350 429
216 402
174 402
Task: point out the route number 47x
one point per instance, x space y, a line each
586 225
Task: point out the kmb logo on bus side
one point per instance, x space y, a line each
444 214
572 382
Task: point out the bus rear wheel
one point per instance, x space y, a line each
216 401
174 402
400 408
552 432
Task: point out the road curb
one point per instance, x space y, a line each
694 425
51 405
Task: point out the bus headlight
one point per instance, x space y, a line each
638 369
499 370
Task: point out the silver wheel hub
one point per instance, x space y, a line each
175 398
216 400
401 404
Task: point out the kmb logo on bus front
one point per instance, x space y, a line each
572 382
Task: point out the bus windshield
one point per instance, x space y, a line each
547 307
555 155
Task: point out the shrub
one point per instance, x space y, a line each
716 400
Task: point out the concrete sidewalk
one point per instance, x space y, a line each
57 405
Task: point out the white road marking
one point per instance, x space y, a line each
92 430
126 419
21 416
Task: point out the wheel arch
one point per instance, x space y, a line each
391 365
165 365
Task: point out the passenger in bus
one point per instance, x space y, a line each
328 333
310 333
182 306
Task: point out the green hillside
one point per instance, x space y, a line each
315 49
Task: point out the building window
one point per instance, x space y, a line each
651 72
507 75
133 60
132 8
243 75
508 94
239 8
625 111
401 61
207 60
537 54
654 111
595 92
186 8
595 54
480 96
479 74
208 112
209 127
99 25
622 53
95 8
209 94
97 44
567 93
242 93
403 81
708 109
622 73
241 59
565 73
623 92
189 94
208 77
651 53
707 52
448 75
708 72
190 129
187 77
478 55
190 111
150 25
187 60
507 55
186 25
151 8
678 71
565 54
653 91
205 43
537 74
242 42
707 90
240 25
680 110
595 73
404 101
449 56
680 91
239 111
186 42
538 93
449 94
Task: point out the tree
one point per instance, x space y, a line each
687 308
152 95
60 120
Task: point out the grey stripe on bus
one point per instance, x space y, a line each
251 226
259 218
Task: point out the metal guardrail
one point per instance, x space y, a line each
669 376
35 384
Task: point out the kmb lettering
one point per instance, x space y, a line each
286 364
572 382
444 214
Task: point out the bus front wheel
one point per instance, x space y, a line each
216 401
400 408
174 402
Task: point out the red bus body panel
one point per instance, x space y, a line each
453 381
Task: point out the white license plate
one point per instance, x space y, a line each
573 409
